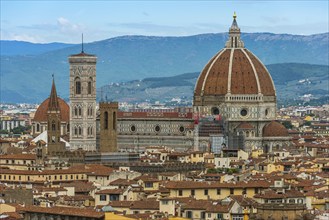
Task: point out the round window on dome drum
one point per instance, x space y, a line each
181 129
215 111
157 128
133 128
243 112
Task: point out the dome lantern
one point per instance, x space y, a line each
234 35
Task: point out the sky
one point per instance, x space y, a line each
65 21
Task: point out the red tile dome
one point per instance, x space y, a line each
41 113
236 71
275 129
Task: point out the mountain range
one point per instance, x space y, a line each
26 68
292 81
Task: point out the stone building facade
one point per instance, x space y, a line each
137 130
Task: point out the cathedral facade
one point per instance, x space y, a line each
234 89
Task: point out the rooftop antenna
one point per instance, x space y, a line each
82 44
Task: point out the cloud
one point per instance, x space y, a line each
24 37
65 26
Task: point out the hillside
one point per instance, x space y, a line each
28 77
16 48
292 80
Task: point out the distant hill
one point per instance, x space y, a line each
19 48
291 80
27 77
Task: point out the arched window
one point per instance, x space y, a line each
77 86
53 126
38 127
90 85
68 128
106 120
80 131
90 111
75 131
80 111
75 111
114 120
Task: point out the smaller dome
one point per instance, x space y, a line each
245 126
275 129
41 113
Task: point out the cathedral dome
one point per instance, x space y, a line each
234 70
275 129
41 113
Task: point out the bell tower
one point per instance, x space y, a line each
54 123
108 126
83 101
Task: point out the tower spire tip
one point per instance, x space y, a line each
234 15
82 43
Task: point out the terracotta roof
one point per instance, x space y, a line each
210 206
110 191
147 178
79 212
12 216
271 194
214 78
245 125
150 204
77 198
41 113
19 156
82 54
80 186
98 170
122 182
275 129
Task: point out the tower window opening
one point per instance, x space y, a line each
114 120
89 85
80 131
53 126
77 86
106 120
80 111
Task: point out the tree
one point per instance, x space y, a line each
21 129
307 123
287 124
